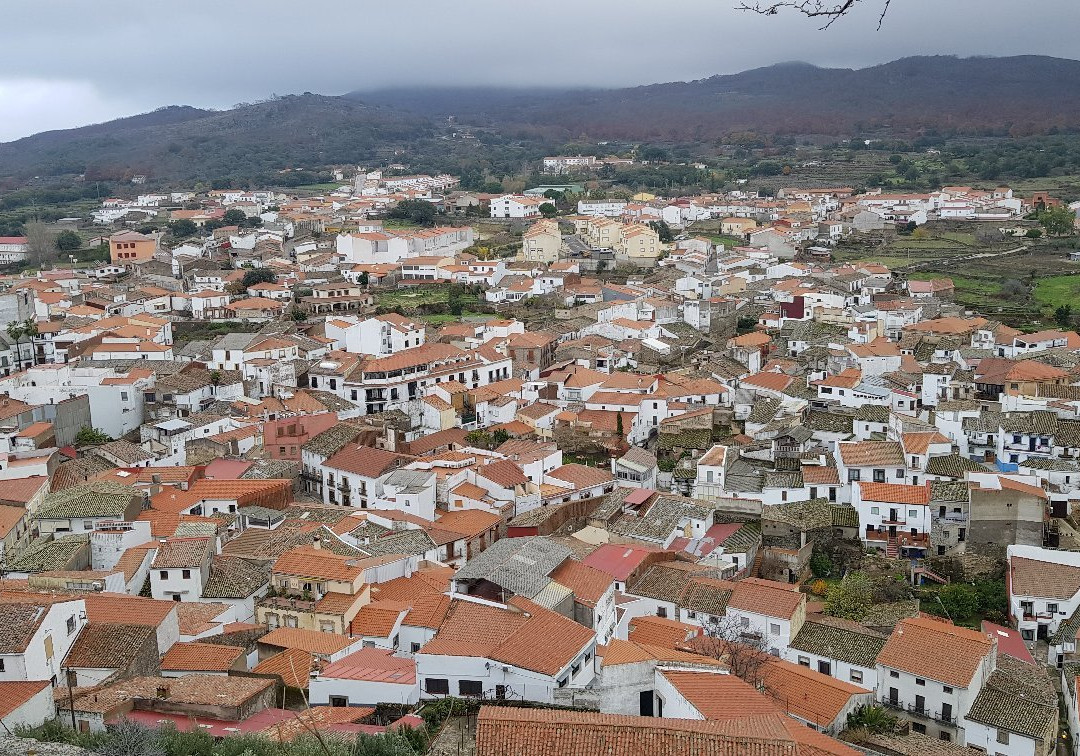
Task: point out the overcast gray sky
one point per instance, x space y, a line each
71 62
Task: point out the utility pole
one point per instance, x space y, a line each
69 675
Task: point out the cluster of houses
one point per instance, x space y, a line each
613 511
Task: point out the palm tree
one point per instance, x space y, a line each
17 331
873 718
30 331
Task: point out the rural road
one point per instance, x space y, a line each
963 258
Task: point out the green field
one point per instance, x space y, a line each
443 319
966 286
428 300
727 241
329 186
1054 291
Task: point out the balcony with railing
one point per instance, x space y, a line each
892 703
925 713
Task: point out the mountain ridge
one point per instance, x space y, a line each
1017 95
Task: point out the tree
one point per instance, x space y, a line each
258 276
663 230
993 599
183 228
17 331
234 217
987 234
131 739
873 719
548 210
959 601
420 212
68 241
30 330
820 564
1013 289
500 437
40 241
1057 221
454 301
850 598
478 438
831 12
1033 233
1063 315
619 426
88 436
743 651
363 278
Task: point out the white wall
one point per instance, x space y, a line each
34 663
521 683
361 692
984 737
34 712
841 670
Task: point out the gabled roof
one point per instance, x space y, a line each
312 641
520 565
1043 579
870 453
102 645
509 731
894 493
201 657
16 693
936 649
367 461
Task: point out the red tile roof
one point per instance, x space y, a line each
619 560
367 461
937 650
15 693
894 493
293 666
767 597
509 731
201 657
313 641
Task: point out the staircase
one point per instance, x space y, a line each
892 548
920 574
755 568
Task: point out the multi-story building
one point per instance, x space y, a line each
930 671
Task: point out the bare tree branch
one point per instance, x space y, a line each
810 8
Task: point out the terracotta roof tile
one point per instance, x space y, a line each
894 493
15 693
293 666
937 650
323 644
808 694
377 619
509 731
1044 579
201 657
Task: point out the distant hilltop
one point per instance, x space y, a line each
982 96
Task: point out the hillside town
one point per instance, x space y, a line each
295 462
